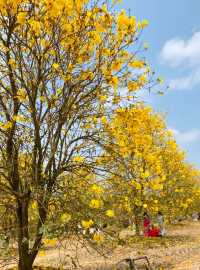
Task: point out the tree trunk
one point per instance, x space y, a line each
137 225
27 255
25 262
138 219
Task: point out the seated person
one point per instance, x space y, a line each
154 231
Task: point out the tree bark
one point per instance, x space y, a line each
138 219
25 262
137 225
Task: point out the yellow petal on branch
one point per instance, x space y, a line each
145 205
133 86
56 66
21 17
7 125
144 23
104 120
116 66
137 64
21 95
12 62
114 82
35 26
19 118
79 159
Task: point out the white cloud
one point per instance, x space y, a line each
187 82
187 136
177 51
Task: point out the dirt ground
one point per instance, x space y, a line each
179 250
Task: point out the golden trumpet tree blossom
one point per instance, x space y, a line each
145 167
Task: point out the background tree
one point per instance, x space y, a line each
147 170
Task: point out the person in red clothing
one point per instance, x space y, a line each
146 224
154 231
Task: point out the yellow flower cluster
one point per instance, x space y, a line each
96 204
87 223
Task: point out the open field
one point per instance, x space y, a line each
179 250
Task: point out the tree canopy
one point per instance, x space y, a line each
69 72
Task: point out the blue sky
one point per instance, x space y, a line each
174 53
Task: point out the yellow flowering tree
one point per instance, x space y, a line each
145 166
180 196
62 63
